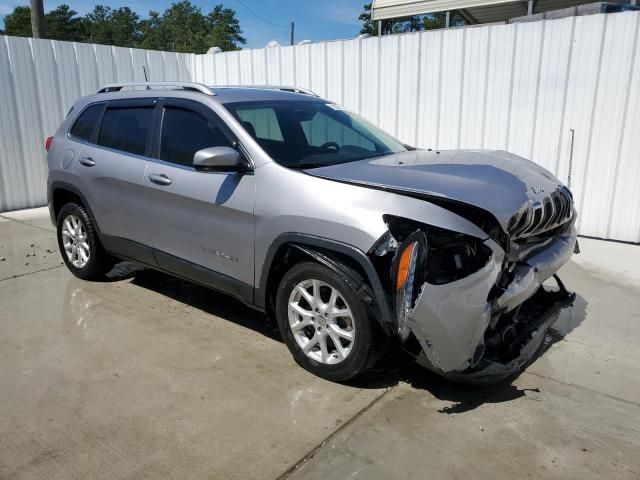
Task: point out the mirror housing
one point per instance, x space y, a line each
220 159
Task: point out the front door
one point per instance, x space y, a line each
203 226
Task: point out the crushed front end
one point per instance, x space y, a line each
476 310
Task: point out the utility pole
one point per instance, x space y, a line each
38 27
292 28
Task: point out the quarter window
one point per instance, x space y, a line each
86 122
126 129
184 132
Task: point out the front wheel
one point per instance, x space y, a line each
325 324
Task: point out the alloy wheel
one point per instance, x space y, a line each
321 321
74 240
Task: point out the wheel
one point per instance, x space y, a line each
79 245
325 324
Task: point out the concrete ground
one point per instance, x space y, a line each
145 376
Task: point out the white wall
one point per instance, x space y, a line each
39 82
519 87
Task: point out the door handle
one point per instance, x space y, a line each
160 179
87 161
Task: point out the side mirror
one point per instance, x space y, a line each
222 159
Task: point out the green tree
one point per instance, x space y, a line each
183 28
368 26
224 29
63 24
153 35
439 20
18 22
120 27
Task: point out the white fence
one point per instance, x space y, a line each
39 82
520 87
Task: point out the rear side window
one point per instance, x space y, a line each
126 129
86 122
184 132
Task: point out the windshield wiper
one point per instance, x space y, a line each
304 166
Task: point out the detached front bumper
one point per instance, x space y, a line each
459 323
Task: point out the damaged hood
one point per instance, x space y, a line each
496 181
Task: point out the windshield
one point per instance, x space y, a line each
310 134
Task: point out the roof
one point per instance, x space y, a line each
243 94
474 11
221 93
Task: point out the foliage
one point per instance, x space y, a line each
120 27
64 24
182 27
18 22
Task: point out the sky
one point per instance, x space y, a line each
261 22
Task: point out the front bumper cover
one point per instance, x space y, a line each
449 321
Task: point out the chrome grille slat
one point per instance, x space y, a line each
540 217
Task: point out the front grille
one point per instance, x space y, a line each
541 217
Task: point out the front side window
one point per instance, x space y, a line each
310 133
126 129
86 122
184 132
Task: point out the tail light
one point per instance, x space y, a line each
47 143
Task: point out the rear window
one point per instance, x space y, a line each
126 129
84 125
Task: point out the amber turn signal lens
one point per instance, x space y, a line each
404 266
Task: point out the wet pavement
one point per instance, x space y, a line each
147 376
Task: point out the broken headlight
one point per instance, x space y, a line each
408 271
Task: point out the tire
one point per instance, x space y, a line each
332 363
88 260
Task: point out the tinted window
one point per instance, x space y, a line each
184 132
126 129
261 123
83 128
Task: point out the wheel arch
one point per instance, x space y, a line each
63 193
346 260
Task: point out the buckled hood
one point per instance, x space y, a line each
496 181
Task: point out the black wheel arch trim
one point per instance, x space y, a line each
320 248
61 185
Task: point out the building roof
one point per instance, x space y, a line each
474 11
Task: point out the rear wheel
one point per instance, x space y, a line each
79 245
325 324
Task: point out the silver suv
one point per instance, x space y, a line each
302 209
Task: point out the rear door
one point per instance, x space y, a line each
111 174
202 222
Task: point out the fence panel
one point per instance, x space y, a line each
39 82
519 87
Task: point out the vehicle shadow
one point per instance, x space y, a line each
395 367
205 299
